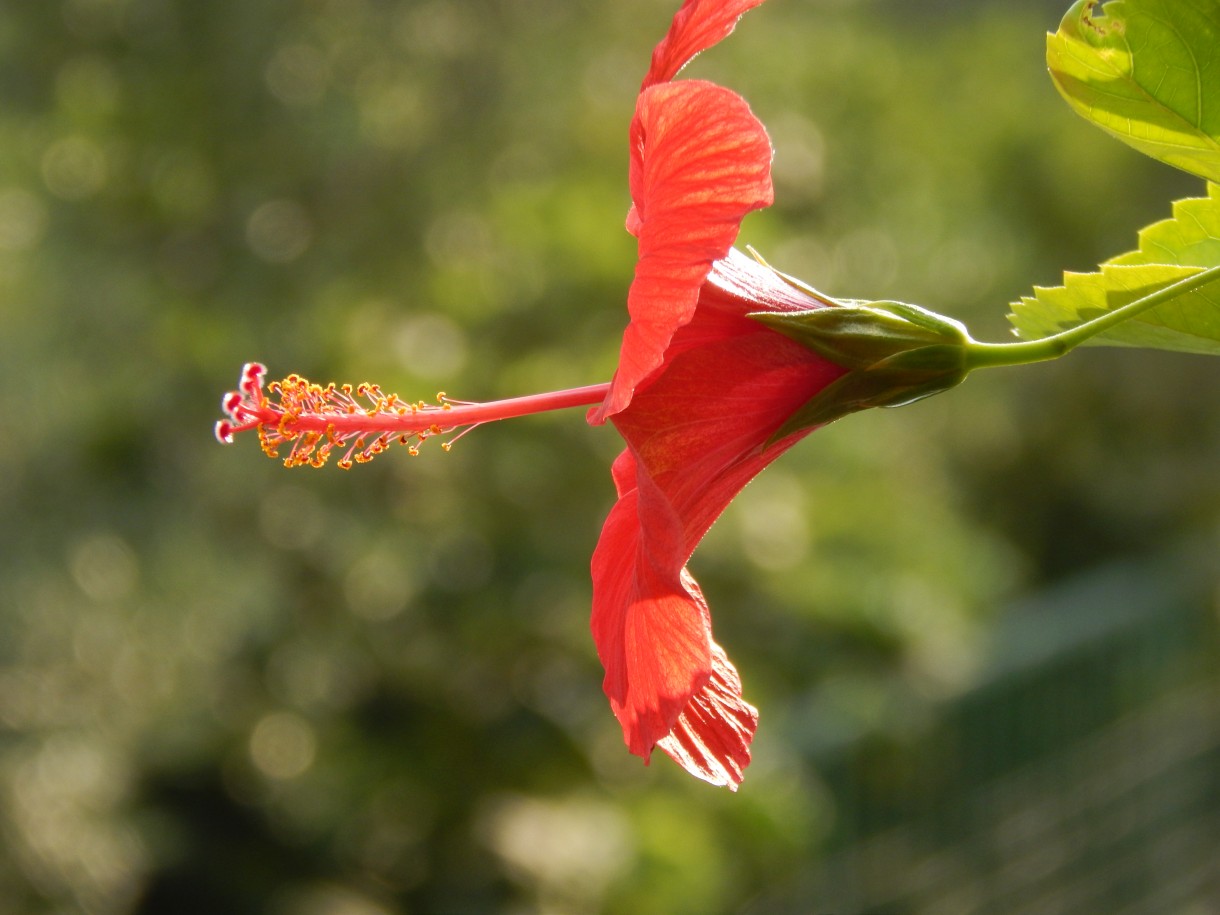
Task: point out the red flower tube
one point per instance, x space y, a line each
697 430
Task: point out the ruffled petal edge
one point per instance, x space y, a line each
711 738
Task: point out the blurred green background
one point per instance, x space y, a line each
981 630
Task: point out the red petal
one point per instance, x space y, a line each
695 433
697 26
653 636
700 162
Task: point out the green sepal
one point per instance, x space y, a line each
860 335
895 354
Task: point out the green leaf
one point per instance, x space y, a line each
1190 239
1148 72
1169 251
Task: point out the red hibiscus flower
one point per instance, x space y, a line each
699 392
705 396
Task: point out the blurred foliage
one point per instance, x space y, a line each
225 687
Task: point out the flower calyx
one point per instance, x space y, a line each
895 354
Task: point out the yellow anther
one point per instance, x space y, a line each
306 417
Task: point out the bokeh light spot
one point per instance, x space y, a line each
23 219
393 110
430 346
379 586
74 168
104 567
771 515
297 75
283 745
279 231
325 900
570 850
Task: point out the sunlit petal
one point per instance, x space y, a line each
697 26
700 162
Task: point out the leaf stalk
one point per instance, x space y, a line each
986 355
